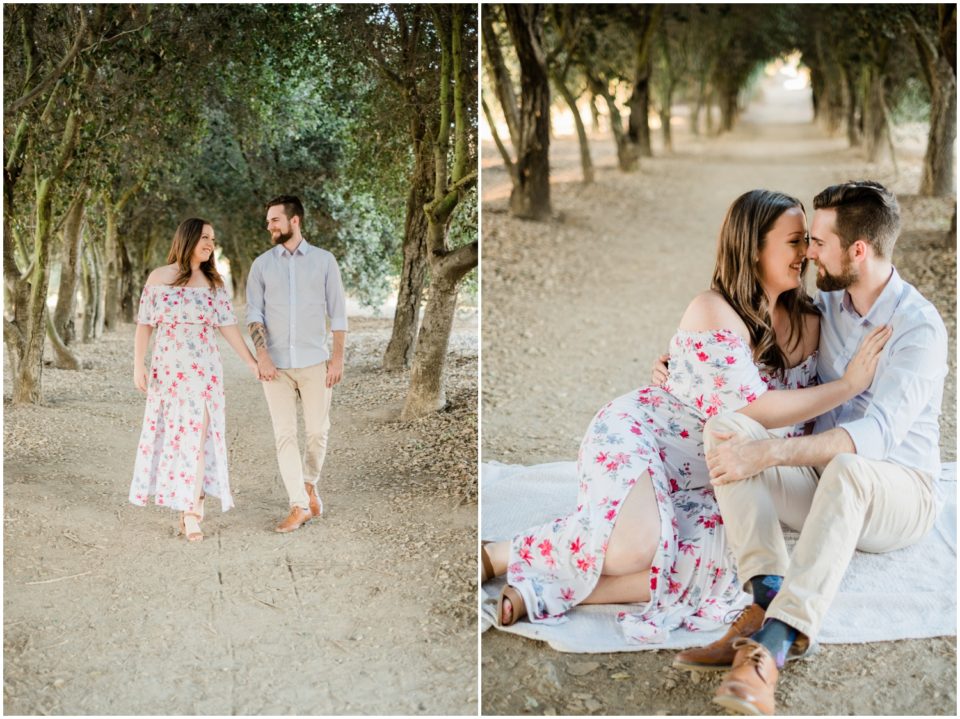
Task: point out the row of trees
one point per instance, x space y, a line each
121 120
862 59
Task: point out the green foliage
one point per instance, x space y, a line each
913 103
210 110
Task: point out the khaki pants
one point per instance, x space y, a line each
856 504
310 383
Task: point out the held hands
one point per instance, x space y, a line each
334 371
268 370
659 371
863 366
254 367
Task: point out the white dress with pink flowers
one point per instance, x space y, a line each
185 378
654 434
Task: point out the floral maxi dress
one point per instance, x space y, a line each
185 382
654 434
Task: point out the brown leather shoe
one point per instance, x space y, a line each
748 687
297 518
719 654
316 506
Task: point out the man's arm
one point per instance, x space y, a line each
740 458
337 309
258 333
335 365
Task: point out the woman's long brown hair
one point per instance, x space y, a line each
185 240
737 274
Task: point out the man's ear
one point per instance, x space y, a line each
858 250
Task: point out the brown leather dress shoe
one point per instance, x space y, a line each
297 518
316 506
719 654
748 687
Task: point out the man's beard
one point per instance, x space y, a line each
829 283
281 237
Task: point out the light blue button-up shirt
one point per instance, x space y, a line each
292 295
896 419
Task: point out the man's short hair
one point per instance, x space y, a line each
292 207
865 210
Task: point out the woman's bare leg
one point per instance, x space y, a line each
636 534
625 576
621 589
192 524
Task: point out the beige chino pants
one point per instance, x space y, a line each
310 384
856 504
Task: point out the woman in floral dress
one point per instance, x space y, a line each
646 529
182 455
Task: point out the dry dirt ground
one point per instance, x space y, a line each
367 610
574 311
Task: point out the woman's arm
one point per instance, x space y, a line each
233 337
782 408
140 343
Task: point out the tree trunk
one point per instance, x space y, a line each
666 115
711 127
129 292
406 319
586 164
27 380
530 198
65 313
728 108
238 275
874 113
594 114
90 293
851 104
426 393
63 358
628 158
638 130
939 161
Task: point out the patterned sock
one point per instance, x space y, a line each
777 637
765 588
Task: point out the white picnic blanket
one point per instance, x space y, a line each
907 594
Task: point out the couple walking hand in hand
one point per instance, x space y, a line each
292 290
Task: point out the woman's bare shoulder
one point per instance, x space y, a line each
163 275
710 311
811 333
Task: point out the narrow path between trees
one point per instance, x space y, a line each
368 610
576 309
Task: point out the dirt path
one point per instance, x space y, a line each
369 610
574 312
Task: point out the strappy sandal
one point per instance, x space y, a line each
518 608
193 533
487 572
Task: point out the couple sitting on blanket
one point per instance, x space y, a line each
820 414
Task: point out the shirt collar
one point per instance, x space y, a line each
302 249
884 306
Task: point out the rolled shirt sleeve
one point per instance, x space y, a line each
336 300
255 294
906 393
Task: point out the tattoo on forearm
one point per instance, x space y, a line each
259 335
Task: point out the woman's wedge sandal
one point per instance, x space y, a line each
487 572
190 523
517 608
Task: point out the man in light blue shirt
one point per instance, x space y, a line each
293 289
867 472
